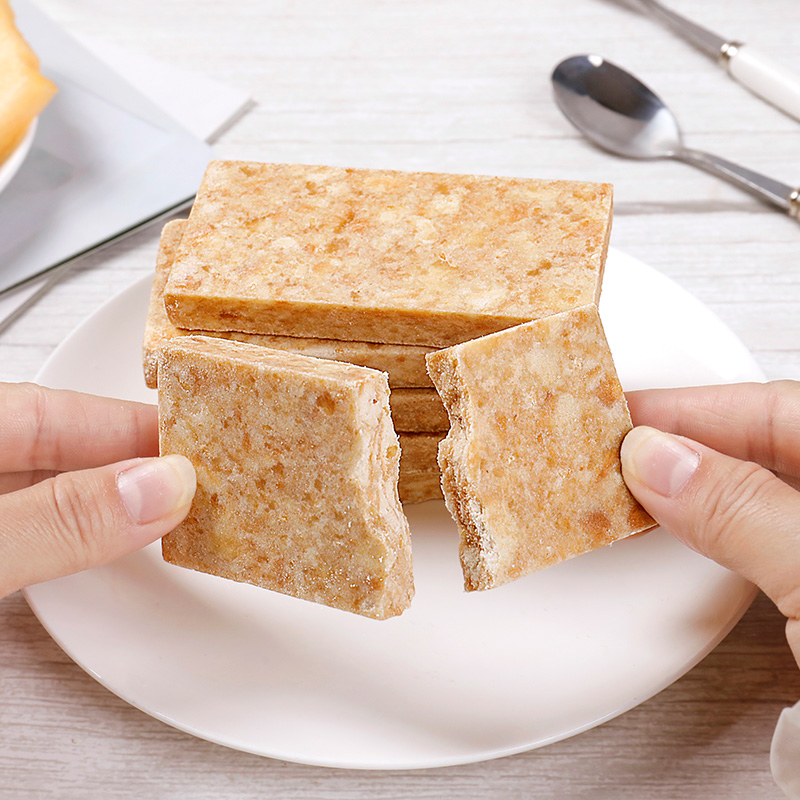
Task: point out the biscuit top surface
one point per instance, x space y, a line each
457 244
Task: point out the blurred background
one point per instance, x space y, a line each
463 86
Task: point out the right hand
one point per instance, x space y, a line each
719 468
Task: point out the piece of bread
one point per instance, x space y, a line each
24 91
297 467
530 467
375 255
405 364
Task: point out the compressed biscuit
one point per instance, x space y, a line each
418 451
405 364
418 410
530 467
297 467
419 470
417 487
375 255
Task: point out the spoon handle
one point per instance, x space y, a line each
762 76
754 70
778 194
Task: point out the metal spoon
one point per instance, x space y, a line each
620 114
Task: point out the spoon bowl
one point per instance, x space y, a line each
614 109
619 113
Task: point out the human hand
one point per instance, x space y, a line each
725 483
63 506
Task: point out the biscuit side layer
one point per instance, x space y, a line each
477 548
405 364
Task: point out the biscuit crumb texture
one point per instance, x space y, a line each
384 256
530 467
297 468
405 364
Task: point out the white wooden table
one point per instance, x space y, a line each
449 85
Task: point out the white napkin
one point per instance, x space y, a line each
203 106
785 753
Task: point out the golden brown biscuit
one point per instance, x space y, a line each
417 487
418 451
375 255
418 410
419 470
297 467
405 364
530 468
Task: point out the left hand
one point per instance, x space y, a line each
64 506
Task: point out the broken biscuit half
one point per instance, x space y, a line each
297 468
530 468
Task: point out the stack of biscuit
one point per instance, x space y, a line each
376 268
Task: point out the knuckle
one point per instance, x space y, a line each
789 606
728 500
769 442
77 519
774 405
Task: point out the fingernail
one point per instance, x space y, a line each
661 462
156 488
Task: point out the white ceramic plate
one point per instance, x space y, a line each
11 165
458 677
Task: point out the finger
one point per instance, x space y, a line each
732 511
49 429
751 421
791 480
82 519
13 481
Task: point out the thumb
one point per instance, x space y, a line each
82 519
735 512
